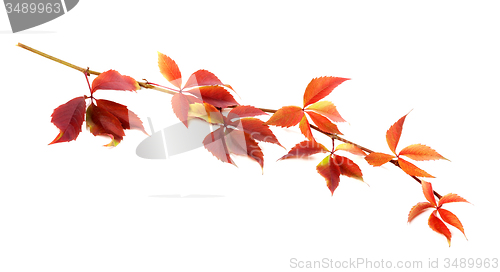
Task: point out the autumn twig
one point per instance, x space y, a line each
150 86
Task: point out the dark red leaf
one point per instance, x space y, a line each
320 87
169 70
348 167
258 130
102 123
127 118
305 149
202 78
68 118
112 80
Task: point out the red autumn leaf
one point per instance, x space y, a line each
202 78
214 95
127 118
451 219
449 198
241 143
420 152
112 80
412 170
258 130
327 109
205 112
378 159
324 123
320 87
428 192
305 149
350 148
418 209
348 167
306 129
394 133
287 116
216 144
330 171
169 70
68 118
102 123
438 226
244 111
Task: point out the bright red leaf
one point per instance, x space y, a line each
244 111
420 152
329 170
418 209
438 226
450 198
214 95
287 116
348 167
102 123
112 80
202 78
428 192
378 159
327 109
169 70
323 123
127 118
68 118
413 170
320 87
394 133
305 149
451 219
258 130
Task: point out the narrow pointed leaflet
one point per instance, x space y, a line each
320 87
438 226
305 149
420 152
112 80
202 78
451 219
378 159
68 118
170 70
287 116
418 209
329 170
127 118
394 133
428 192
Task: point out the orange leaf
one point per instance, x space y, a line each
112 80
429 193
438 226
244 111
394 133
413 170
216 144
419 208
169 70
378 159
287 116
214 95
202 78
68 118
449 198
327 109
348 167
305 128
324 123
451 219
258 130
351 148
127 118
330 171
420 152
305 149
320 87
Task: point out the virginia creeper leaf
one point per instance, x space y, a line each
102 123
170 70
287 116
68 118
258 130
330 171
323 123
378 159
348 167
419 208
305 149
412 170
202 78
214 95
241 143
449 198
438 226
394 133
350 148
420 152
320 87
428 192
327 109
205 112
180 105
305 128
244 111
216 144
112 80
127 118
451 219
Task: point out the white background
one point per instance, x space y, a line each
79 206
